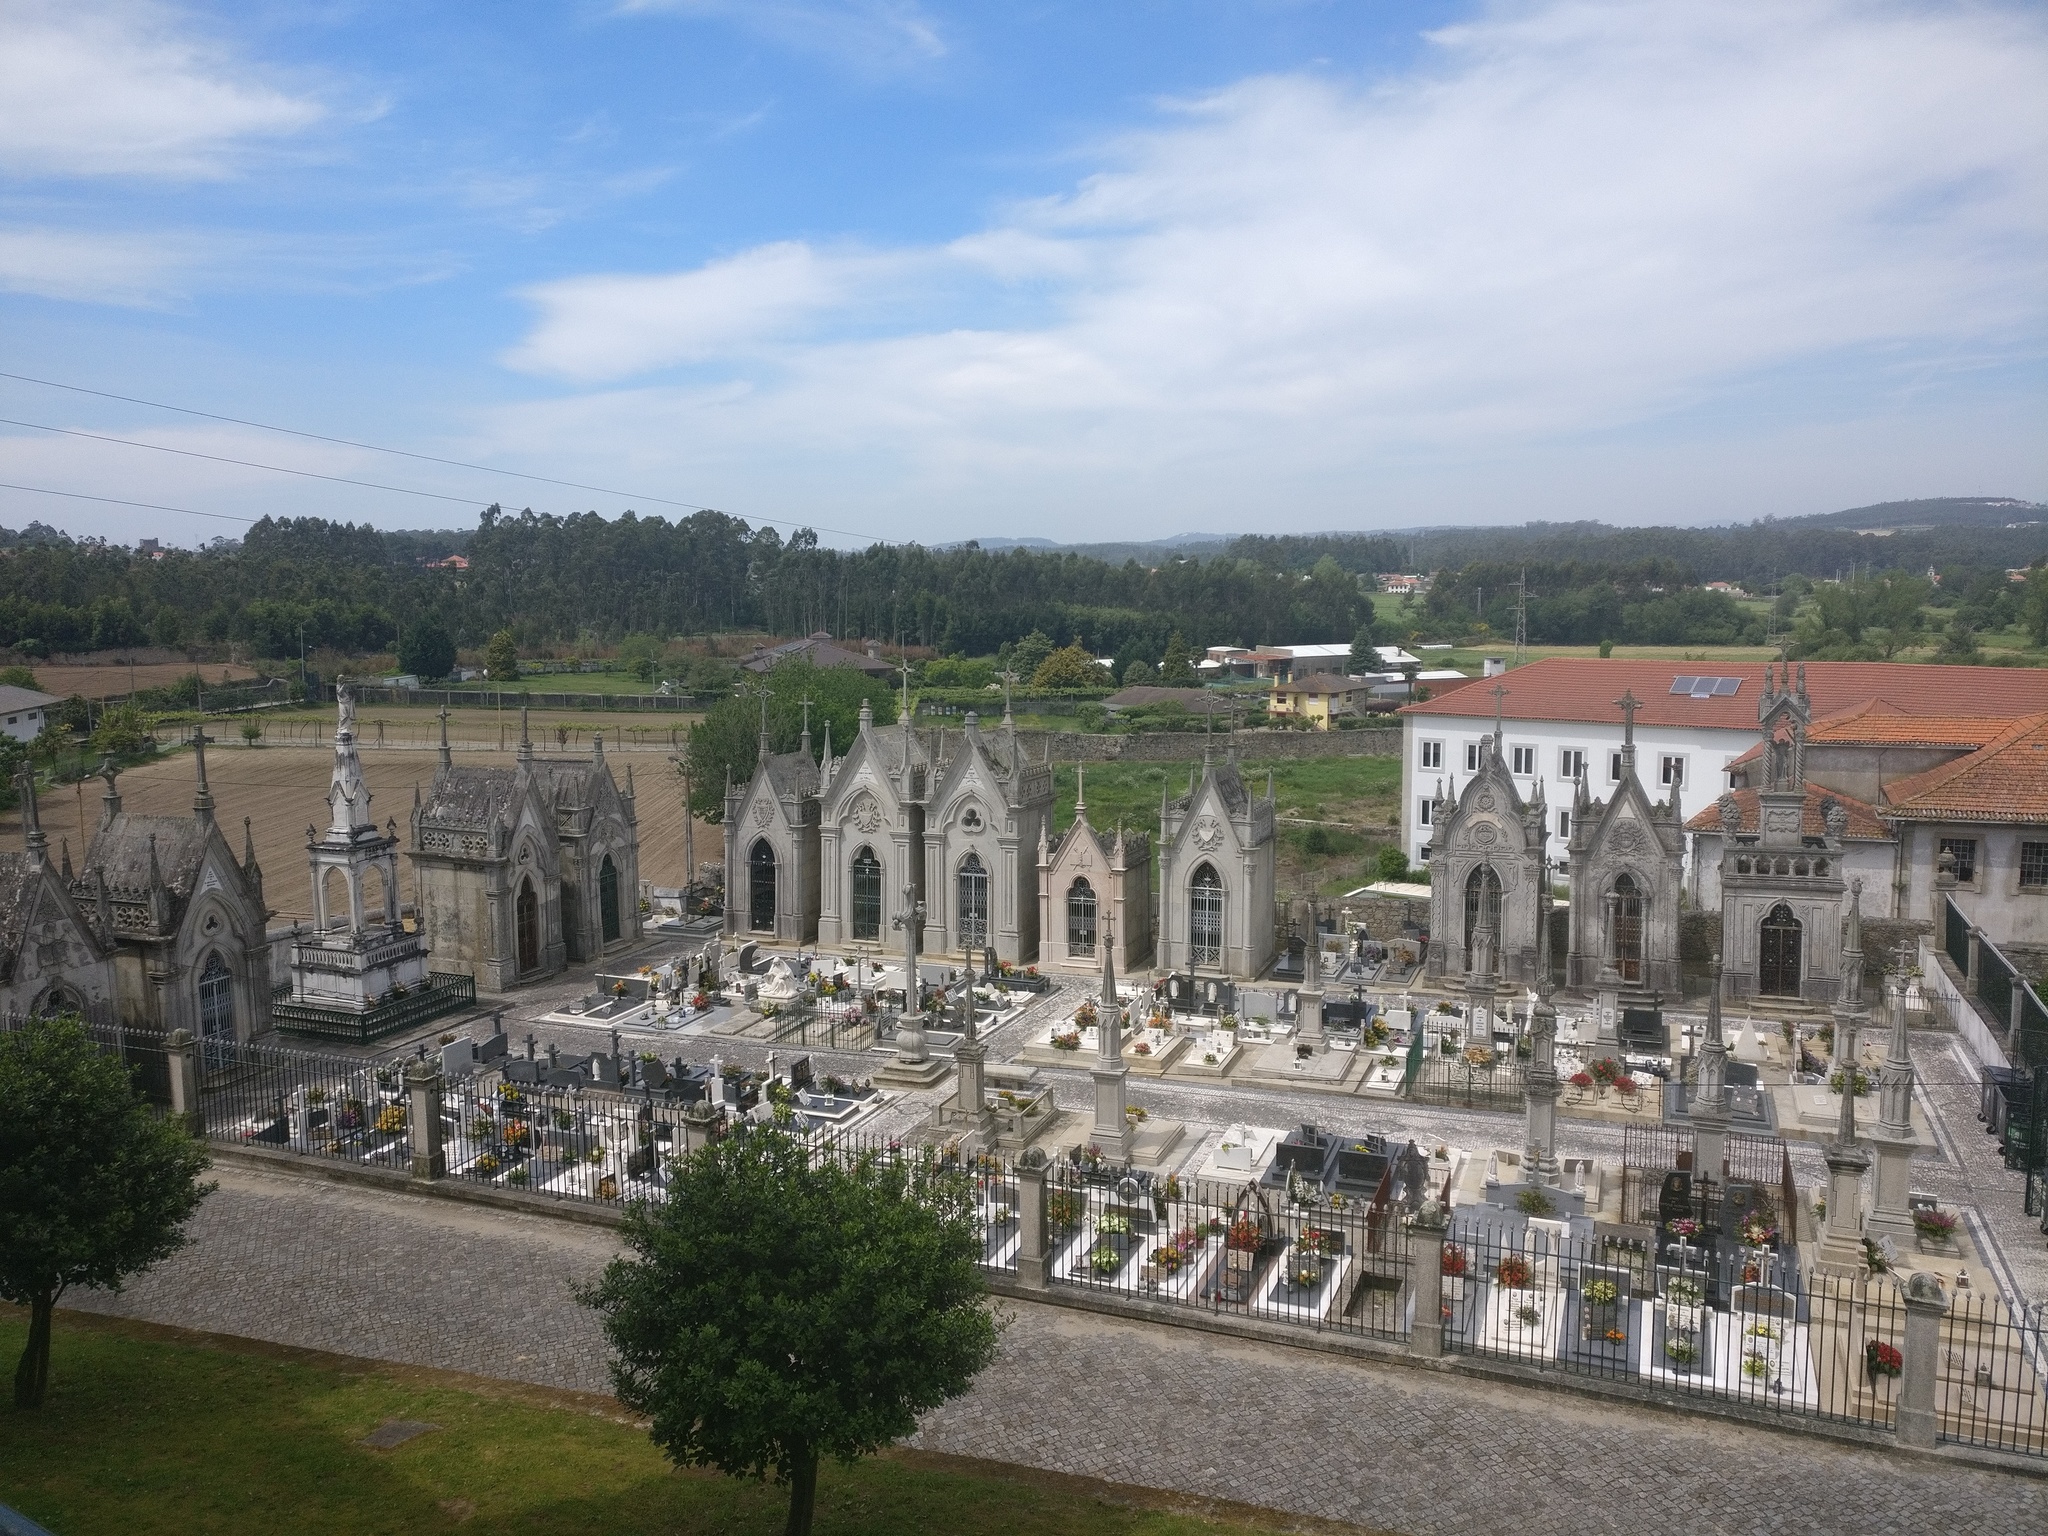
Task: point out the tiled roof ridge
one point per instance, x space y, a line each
1708 819
1901 795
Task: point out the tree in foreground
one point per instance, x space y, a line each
781 1307
95 1187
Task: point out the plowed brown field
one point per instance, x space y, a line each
283 788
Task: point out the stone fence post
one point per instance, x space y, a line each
181 1057
1970 971
1920 1360
1031 1243
697 1122
1426 1278
423 1119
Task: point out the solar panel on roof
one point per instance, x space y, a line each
1706 687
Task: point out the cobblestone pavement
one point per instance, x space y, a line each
444 1284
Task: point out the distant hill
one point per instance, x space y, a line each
1932 512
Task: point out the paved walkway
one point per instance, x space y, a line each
439 1283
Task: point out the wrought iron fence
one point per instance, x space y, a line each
1331 1264
141 1049
1679 1316
344 1107
1651 1154
445 992
1467 1083
1993 1375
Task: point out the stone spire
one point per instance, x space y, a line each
202 797
1112 1130
252 872
1893 1138
1628 704
1080 791
1707 1106
65 868
1895 1078
159 894
32 837
525 737
446 760
1852 948
1540 1086
597 748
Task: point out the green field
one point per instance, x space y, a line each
150 1433
1335 813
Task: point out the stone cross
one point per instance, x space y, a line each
1500 691
910 1043
1628 704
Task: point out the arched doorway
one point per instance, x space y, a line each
608 899
1081 918
866 904
216 1009
1205 917
1482 900
1628 929
973 902
1779 952
761 887
526 910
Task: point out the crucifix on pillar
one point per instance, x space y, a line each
910 1044
1499 691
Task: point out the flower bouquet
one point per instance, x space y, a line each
1882 1359
1066 1040
1512 1272
1243 1235
1682 1350
391 1119
1528 1315
1683 1227
1755 1232
1454 1259
1115 1224
1533 1202
1684 1293
1581 1080
1602 1293
1105 1260
1756 1367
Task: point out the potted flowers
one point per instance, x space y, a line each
1882 1360
1935 1229
1682 1350
1683 1228
1454 1259
1755 1232
1512 1272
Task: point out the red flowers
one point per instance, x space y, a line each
1512 1272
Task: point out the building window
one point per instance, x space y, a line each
761 887
973 903
1614 767
1471 757
2034 864
216 1009
1523 760
1564 823
1671 771
1424 807
1571 762
1964 850
1432 754
1080 918
867 897
1205 917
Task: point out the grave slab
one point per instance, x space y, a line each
1279 1064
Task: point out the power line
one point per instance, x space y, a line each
406 453
147 506
220 458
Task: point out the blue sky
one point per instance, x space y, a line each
1086 271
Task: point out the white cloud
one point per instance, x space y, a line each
600 327
141 270
1576 218
872 36
129 88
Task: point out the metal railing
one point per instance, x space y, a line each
444 992
1323 1263
1745 1325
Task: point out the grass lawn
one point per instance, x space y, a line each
150 1431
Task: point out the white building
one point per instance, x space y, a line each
1559 719
24 712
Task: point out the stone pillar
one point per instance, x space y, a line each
1708 1106
1841 1244
970 1099
1893 1138
1112 1129
181 1056
1033 1260
1426 1278
697 1122
1540 1091
1920 1366
423 1119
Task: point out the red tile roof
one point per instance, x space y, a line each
1585 688
1864 822
2004 780
1875 723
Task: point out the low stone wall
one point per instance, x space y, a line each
1188 746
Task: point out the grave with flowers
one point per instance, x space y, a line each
1309 1280
1522 1317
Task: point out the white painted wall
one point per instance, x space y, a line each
1705 752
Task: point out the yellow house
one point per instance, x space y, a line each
1318 697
